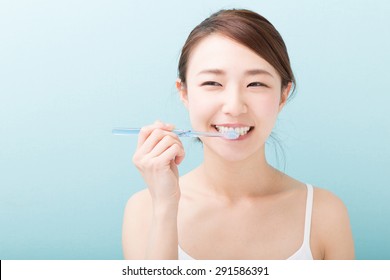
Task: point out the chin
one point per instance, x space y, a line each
231 154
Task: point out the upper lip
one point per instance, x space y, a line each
233 125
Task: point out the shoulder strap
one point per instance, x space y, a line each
309 208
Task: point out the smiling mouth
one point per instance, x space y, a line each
243 130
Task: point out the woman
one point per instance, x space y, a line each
234 73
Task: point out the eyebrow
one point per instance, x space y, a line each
251 72
254 72
212 71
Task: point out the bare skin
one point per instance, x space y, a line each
263 227
234 205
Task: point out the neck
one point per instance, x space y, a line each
247 178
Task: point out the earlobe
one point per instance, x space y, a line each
182 89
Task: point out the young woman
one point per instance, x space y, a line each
234 73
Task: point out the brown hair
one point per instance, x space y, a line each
247 28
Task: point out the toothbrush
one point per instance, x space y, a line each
231 134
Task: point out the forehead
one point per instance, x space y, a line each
220 52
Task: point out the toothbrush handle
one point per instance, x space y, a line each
126 131
200 133
135 131
179 132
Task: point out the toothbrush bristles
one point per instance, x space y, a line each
231 135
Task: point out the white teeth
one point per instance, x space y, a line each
239 130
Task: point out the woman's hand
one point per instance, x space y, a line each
158 153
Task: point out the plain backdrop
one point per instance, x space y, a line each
70 71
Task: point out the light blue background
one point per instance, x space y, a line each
70 71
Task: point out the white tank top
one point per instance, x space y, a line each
304 252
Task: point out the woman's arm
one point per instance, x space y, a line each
136 226
150 222
148 232
334 227
163 239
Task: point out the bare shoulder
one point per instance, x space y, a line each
330 223
326 201
136 223
139 199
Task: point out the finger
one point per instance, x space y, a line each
179 158
167 141
147 130
171 153
154 138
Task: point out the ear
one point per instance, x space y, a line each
284 96
182 90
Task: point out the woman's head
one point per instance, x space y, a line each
247 28
234 73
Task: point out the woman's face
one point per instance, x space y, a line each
231 87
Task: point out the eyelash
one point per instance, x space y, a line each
257 84
254 84
211 83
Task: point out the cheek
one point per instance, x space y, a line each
200 109
266 113
268 105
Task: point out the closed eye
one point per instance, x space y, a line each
211 83
257 84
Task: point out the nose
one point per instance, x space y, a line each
234 103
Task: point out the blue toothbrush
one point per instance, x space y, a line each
231 134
